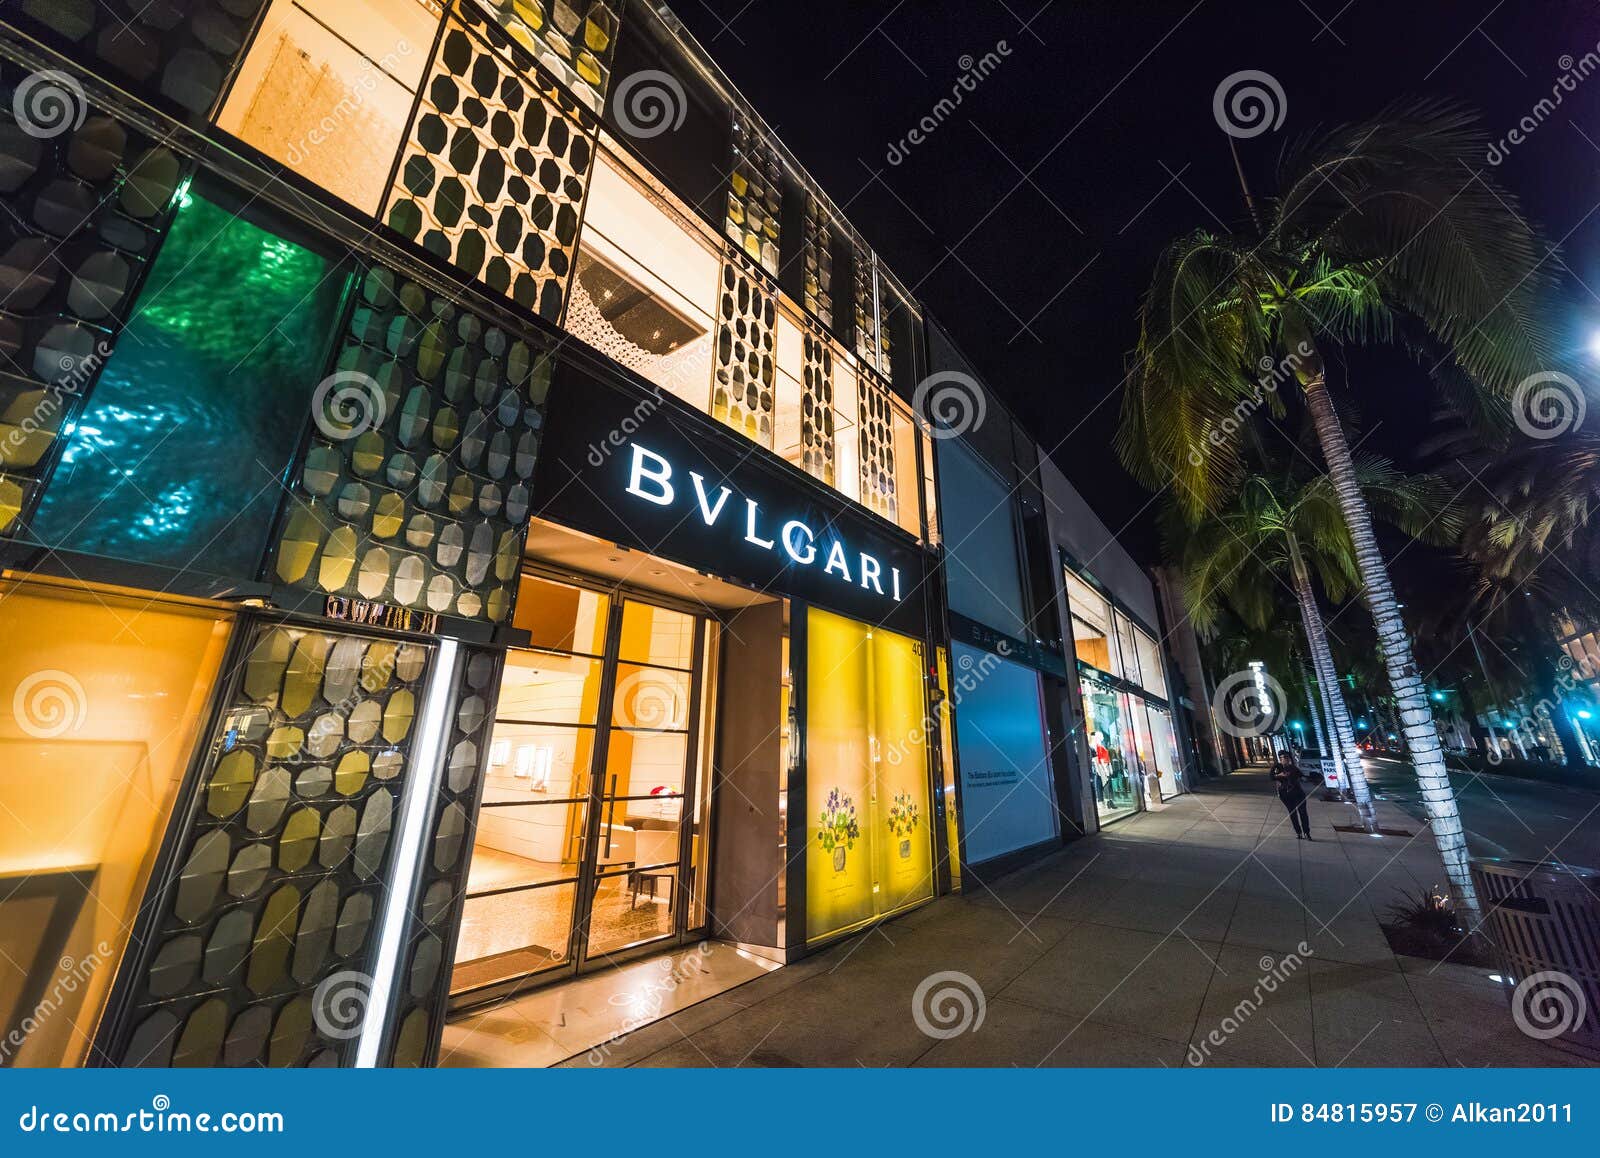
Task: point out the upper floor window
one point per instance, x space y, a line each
327 89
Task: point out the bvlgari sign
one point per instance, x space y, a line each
666 487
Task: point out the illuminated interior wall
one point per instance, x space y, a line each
868 829
327 88
101 699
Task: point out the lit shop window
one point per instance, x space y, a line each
328 86
646 286
1091 627
868 822
1152 673
101 699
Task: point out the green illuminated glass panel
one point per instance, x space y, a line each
177 455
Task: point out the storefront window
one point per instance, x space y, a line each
178 456
328 86
101 702
1166 752
1152 672
1007 790
1091 627
646 286
1113 758
868 846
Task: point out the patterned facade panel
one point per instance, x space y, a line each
877 447
817 254
816 407
742 393
86 201
262 943
493 171
872 342
422 986
181 53
414 489
572 39
755 196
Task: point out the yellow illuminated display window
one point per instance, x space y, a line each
868 826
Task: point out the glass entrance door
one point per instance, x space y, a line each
588 842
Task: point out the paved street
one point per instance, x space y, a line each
1504 816
1173 938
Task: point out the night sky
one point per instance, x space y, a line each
1030 219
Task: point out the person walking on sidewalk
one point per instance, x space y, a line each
1292 791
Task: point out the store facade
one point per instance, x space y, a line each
1134 750
453 539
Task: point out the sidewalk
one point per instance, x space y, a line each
1170 939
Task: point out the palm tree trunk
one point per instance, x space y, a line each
1327 674
1316 709
1411 697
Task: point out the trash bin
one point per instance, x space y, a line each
1545 919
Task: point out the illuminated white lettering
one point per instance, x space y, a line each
836 561
661 494
750 536
894 575
871 570
791 530
708 512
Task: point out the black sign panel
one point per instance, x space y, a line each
639 471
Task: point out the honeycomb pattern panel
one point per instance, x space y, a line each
572 40
86 202
817 256
493 172
816 407
263 944
877 447
755 195
742 391
414 489
181 53
422 987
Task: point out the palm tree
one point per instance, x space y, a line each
1375 221
1276 532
